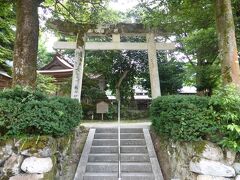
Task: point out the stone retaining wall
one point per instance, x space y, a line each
40 157
196 161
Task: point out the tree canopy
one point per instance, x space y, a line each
193 24
7 25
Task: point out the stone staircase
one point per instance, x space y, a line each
99 160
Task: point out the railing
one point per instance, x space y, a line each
119 140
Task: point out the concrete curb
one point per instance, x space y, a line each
152 155
84 157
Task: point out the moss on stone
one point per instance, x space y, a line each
4 142
64 143
4 178
196 159
7 175
51 174
199 147
34 143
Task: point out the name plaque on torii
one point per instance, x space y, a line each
116 31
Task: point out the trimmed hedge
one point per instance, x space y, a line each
182 118
191 118
24 112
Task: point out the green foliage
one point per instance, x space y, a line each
232 140
181 118
108 16
22 95
130 114
226 101
91 91
236 16
89 111
7 23
193 118
65 87
44 57
226 104
24 112
171 75
193 25
77 11
112 65
135 62
205 63
46 84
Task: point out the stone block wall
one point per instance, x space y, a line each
28 158
196 161
35 158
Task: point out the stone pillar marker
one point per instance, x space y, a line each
153 66
78 73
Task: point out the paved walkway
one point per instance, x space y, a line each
143 125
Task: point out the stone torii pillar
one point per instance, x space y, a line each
153 66
77 76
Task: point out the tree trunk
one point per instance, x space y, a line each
26 43
227 42
199 77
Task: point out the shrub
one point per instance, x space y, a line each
191 118
23 112
226 105
22 95
182 118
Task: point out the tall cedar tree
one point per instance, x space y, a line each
26 43
227 42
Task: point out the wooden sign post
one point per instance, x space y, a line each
102 108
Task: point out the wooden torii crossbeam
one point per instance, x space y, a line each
116 31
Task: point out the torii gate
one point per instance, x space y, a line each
116 31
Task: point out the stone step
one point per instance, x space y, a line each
100 158
103 157
104 149
114 142
131 130
136 157
114 176
125 157
103 167
132 136
106 136
106 130
137 176
115 136
113 167
133 142
136 167
105 142
100 176
123 130
133 149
